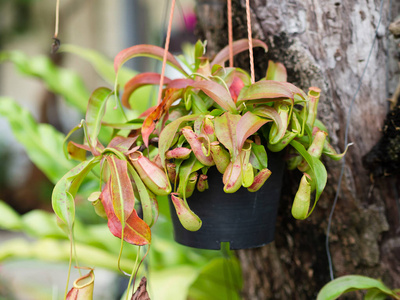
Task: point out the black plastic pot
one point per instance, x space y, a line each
244 219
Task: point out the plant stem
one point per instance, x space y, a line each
133 274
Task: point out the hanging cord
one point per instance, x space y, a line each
328 229
57 18
161 42
230 33
167 40
249 33
56 43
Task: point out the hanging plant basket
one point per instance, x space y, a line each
244 219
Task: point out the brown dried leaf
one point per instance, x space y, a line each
141 292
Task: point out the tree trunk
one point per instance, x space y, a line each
324 44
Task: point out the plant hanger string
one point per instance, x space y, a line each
56 43
249 33
164 62
230 33
57 19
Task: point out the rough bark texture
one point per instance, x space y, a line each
324 44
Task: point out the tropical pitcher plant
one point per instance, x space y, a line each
211 117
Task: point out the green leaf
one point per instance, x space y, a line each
58 80
10 219
318 174
199 50
149 216
189 220
52 250
95 112
41 224
276 71
64 191
277 132
283 142
301 202
266 111
258 157
335 288
168 133
213 282
130 125
225 130
198 104
375 294
172 283
43 144
188 166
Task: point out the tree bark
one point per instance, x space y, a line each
324 44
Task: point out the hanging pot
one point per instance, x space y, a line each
244 219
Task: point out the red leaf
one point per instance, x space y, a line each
171 95
238 46
178 153
269 89
85 147
259 180
150 174
122 144
147 112
123 199
136 232
139 81
145 50
248 124
229 74
218 93
233 176
179 83
235 88
196 145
